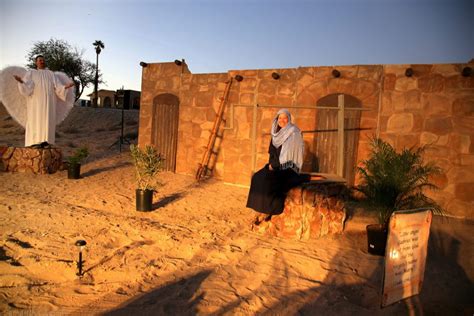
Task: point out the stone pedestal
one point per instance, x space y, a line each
34 160
311 211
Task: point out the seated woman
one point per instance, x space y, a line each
270 185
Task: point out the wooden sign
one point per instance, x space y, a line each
405 254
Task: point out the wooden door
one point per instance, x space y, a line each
165 128
326 140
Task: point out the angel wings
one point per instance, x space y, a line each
15 102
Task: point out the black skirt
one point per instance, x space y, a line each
268 189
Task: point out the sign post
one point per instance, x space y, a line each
405 255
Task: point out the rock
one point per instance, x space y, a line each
34 160
312 210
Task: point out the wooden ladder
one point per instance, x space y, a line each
203 166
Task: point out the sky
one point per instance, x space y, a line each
220 35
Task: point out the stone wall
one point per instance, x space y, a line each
32 160
435 105
312 210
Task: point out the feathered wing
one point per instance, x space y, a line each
63 107
10 96
15 102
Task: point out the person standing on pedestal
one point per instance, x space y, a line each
41 87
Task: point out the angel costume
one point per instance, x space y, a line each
39 103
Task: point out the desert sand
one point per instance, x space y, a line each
195 252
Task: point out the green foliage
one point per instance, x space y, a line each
61 56
79 155
395 181
148 163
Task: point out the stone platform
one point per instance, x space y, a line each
312 210
33 160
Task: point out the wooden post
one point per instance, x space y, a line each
340 136
254 138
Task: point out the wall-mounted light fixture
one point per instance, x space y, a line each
409 72
143 64
239 78
466 71
335 73
275 75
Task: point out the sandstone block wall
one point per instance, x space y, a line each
436 107
433 106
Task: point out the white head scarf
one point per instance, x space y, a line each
289 137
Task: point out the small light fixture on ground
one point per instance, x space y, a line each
143 64
239 78
409 72
178 62
275 75
336 73
80 244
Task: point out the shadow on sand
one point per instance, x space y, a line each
93 172
170 198
447 290
178 298
345 290
167 200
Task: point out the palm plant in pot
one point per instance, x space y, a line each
392 181
148 163
74 162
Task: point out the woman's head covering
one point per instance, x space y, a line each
289 137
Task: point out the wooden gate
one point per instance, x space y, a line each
165 128
326 140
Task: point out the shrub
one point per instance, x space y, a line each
395 181
79 155
148 163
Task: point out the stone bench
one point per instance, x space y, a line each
33 160
312 210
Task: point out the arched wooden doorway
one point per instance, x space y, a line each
165 128
326 140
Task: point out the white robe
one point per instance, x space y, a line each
41 88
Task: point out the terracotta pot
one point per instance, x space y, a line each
376 239
144 199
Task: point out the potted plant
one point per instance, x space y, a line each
74 162
393 181
148 163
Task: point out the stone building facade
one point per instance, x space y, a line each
428 104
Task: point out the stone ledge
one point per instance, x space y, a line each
312 210
32 160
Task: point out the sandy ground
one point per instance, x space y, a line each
194 254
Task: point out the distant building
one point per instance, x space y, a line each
128 99
82 102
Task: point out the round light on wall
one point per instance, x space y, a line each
239 78
335 73
275 75
178 62
409 72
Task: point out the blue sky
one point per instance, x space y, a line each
220 35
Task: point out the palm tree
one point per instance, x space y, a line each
393 181
99 45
